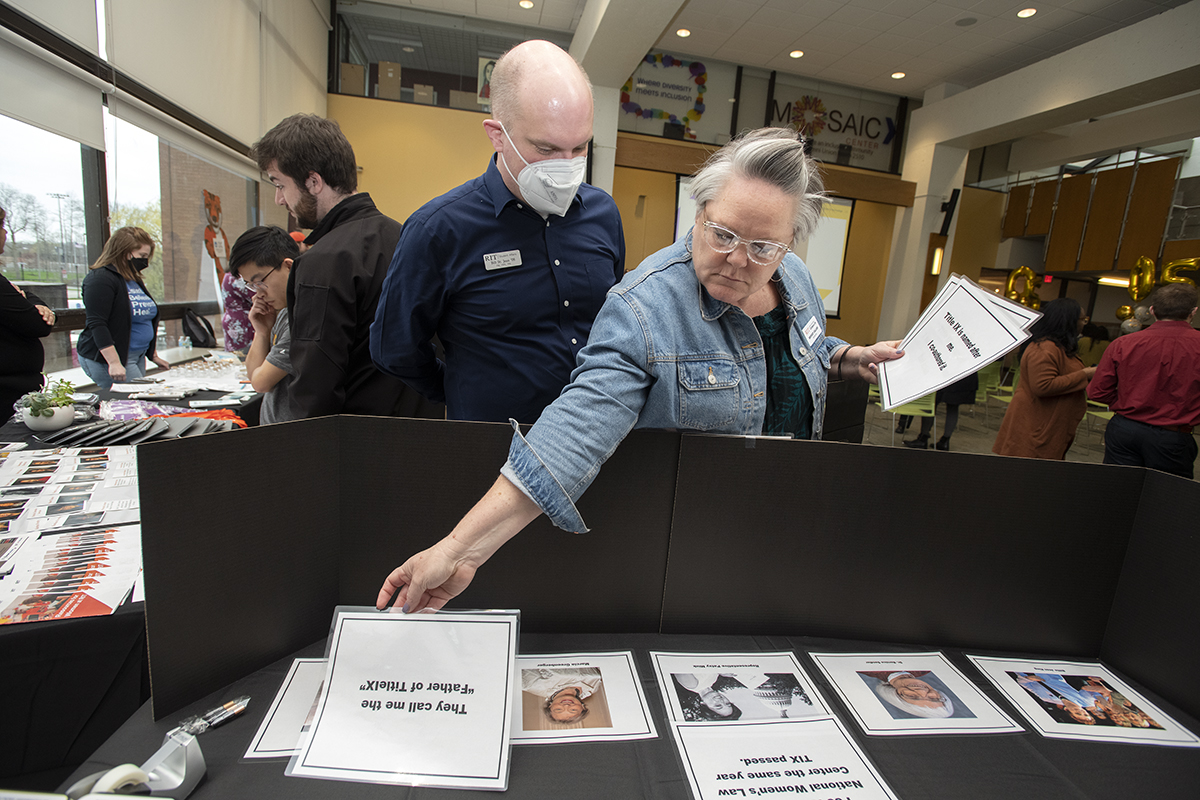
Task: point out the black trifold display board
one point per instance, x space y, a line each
250 538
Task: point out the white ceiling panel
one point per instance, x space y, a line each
935 41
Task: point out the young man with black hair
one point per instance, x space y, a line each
262 258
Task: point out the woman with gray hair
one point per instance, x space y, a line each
723 331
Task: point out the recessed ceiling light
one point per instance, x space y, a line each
409 49
733 99
526 4
965 22
796 53
1026 13
897 75
683 33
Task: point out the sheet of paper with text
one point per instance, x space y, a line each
415 700
963 329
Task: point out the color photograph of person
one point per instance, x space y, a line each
728 696
1082 700
564 697
918 693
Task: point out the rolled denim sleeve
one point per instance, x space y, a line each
831 345
558 459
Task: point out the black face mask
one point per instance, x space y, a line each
139 263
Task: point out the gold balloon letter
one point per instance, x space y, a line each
1170 273
1141 278
1028 297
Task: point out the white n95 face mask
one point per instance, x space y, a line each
548 186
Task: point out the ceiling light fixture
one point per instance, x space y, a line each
1122 282
526 4
897 75
683 33
409 49
796 53
1026 13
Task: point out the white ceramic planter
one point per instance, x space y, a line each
63 416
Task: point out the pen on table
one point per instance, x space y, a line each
222 714
217 716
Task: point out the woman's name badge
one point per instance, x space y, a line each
811 330
509 258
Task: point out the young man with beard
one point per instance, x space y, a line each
333 288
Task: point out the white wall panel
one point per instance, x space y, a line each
71 19
35 91
153 121
239 65
294 57
204 57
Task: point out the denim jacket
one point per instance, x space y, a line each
664 354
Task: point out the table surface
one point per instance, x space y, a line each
978 766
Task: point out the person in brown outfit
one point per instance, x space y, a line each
1049 399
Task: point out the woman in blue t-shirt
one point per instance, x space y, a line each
122 317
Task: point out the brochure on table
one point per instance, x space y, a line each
67 488
896 694
580 697
415 700
963 329
748 724
83 573
1082 700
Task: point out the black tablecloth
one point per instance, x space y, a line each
943 767
69 684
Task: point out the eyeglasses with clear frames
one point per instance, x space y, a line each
259 283
761 251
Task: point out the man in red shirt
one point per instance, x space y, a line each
1151 380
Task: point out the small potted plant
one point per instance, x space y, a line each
51 409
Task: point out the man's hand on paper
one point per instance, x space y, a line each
869 358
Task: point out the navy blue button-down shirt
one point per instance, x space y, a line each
510 295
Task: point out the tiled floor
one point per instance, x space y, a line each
977 427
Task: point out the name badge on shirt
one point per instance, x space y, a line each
509 258
811 331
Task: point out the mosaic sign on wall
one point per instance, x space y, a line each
852 131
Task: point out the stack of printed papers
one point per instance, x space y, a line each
963 329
